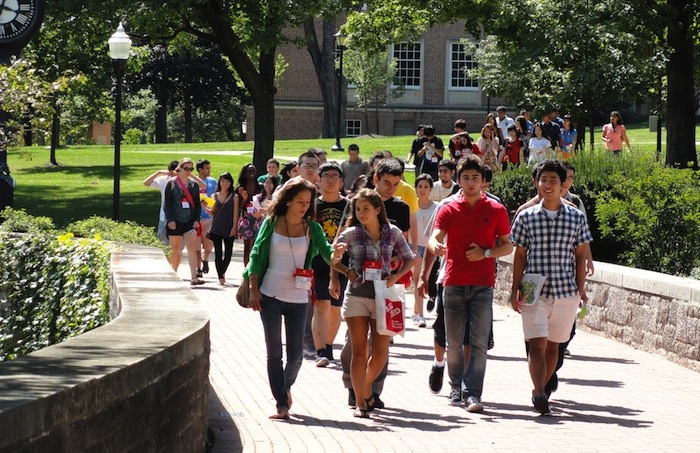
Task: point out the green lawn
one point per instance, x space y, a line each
82 185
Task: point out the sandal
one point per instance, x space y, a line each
370 406
361 413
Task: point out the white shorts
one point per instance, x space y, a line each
550 318
359 306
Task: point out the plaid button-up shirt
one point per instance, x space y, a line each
550 245
362 248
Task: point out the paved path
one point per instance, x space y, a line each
612 397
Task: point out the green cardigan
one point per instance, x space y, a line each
260 255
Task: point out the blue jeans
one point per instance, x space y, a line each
472 305
282 379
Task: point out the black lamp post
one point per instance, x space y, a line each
340 43
119 47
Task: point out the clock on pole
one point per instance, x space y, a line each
19 21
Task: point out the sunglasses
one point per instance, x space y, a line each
188 168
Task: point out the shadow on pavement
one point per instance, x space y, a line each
222 425
592 382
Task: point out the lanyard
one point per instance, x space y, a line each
374 244
290 241
187 192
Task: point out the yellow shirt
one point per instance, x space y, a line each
408 194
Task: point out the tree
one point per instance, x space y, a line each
666 31
373 73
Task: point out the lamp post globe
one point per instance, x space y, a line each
119 48
340 43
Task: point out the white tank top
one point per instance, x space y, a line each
278 281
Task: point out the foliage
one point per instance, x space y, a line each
51 289
133 136
656 216
128 231
18 221
371 72
513 186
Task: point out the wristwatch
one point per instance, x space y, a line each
487 253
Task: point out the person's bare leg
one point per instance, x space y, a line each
175 253
417 297
378 359
357 328
537 363
190 239
333 324
319 323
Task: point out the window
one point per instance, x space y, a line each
408 63
459 62
353 128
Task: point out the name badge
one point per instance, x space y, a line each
458 153
185 204
434 160
250 209
303 278
372 270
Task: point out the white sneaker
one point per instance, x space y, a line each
421 321
415 318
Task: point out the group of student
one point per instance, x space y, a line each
336 228
504 141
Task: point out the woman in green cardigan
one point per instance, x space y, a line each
280 282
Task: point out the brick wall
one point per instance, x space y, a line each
139 383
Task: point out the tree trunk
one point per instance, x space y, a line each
259 81
55 131
188 119
680 121
323 60
161 118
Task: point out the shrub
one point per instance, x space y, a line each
128 231
133 136
18 221
513 186
656 216
50 289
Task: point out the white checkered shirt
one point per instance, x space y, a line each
550 246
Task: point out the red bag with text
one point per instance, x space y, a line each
390 309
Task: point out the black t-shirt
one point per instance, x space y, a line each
430 163
398 213
552 132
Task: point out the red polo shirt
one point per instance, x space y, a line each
482 224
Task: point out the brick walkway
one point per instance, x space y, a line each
608 399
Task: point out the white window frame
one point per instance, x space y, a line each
358 126
419 60
451 62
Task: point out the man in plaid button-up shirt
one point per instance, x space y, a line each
550 240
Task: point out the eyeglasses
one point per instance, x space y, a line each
310 166
188 168
331 177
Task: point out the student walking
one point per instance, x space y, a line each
280 282
224 224
551 240
370 240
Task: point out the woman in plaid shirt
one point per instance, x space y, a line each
370 241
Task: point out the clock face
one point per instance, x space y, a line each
19 19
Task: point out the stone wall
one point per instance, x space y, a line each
139 383
651 311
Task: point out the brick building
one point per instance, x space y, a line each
437 91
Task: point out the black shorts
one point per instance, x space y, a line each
180 228
322 293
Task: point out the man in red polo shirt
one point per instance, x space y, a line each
472 225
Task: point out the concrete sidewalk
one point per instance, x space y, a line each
611 397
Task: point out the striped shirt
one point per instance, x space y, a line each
550 245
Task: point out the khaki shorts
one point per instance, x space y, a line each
359 306
550 318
